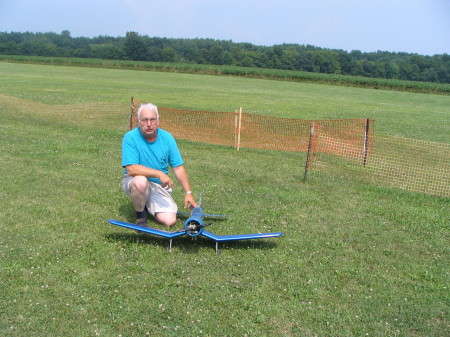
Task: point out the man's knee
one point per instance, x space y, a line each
166 219
139 183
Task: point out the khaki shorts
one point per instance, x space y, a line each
159 199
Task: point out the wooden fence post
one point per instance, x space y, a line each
239 127
235 128
131 113
366 142
310 148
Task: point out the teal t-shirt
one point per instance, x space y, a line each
157 155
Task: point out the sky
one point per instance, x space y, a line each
412 26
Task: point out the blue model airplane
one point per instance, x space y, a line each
194 226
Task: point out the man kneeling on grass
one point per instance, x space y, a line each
147 152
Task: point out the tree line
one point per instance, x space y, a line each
136 47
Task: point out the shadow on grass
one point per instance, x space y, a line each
128 213
190 245
186 244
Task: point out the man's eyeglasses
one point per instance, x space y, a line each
146 120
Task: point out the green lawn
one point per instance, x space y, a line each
355 260
411 115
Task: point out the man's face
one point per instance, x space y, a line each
148 123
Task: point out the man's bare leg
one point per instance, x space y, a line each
167 219
139 191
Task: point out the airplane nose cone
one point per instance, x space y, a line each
197 211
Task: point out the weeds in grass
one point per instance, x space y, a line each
356 259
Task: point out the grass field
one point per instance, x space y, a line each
355 260
411 115
249 72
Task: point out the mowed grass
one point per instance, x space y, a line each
411 115
355 259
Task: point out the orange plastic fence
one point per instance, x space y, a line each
348 144
253 131
410 164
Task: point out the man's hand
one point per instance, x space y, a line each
189 201
140 170
181 174
166 182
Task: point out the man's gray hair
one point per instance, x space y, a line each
148 106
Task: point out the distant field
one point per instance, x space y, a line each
249 72
356 259
411 115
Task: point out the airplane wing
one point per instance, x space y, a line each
168 235
183 213
215 216
204 215
219 238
